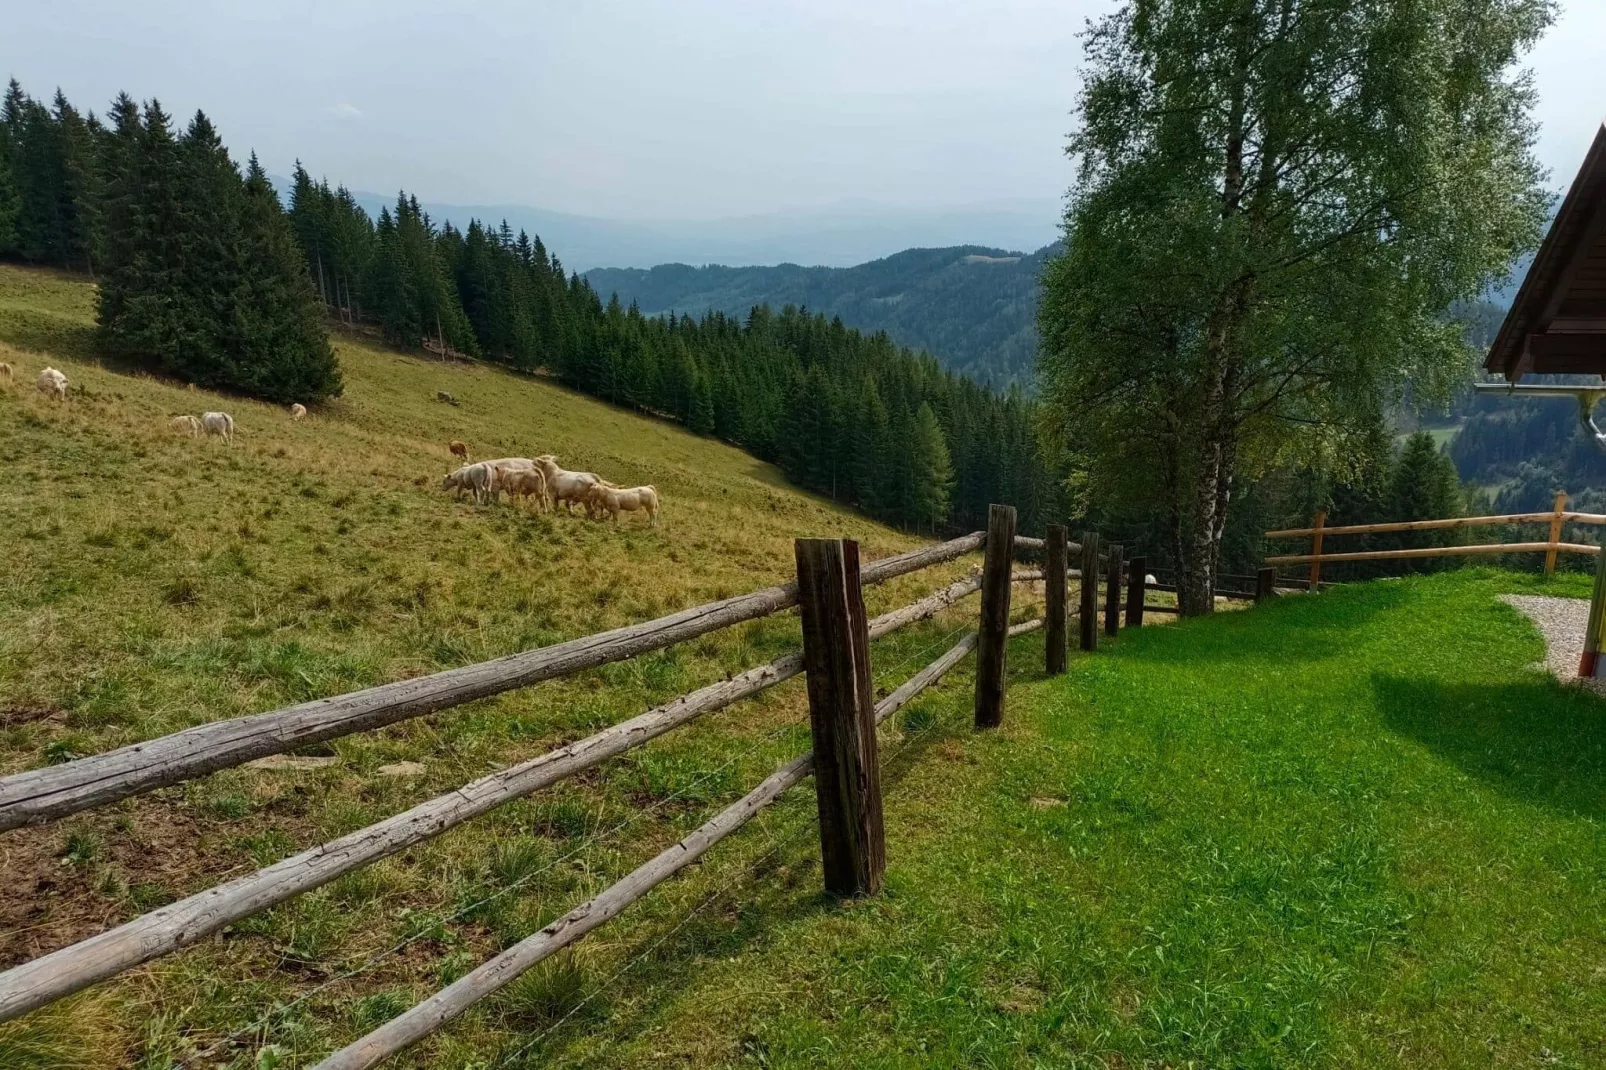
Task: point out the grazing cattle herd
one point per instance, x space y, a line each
547 485
538 480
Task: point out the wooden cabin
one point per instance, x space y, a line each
1557 324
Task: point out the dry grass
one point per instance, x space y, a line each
158 581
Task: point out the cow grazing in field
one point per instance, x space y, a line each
52 384
218 423
566 487
457 481
186 425
442 395
605 498
5 370
297 411
504 466
524 483
478 479
458 449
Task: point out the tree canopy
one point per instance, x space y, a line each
1276 202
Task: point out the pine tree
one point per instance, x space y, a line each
78 197
1424 486
8 198
276 331
932 471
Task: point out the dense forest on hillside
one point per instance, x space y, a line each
199 272
971 307
206 277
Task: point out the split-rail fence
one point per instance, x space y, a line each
843 716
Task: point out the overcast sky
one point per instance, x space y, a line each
637 109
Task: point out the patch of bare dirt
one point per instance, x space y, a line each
17 716
72 879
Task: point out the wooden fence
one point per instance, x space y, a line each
1557 518
843 716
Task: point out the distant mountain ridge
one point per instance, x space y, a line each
838 235
973 307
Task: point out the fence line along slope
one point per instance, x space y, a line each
161 582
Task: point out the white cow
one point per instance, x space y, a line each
479 478
52 384
612 500
505 465
186 425
524 483
5 370
218 423
297 411
567 487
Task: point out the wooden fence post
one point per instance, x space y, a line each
1597 616
1137 588
992 638
1318 522
1054 566
1265 584
1555 533
847 770
1089 615
1112 597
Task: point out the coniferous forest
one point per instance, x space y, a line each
206 275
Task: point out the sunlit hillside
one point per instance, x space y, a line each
155 581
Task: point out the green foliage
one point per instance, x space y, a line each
1274 208
971 307
202 276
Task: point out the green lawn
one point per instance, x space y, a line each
1352 830
1355 830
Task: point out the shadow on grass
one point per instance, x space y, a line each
1532 740
44 333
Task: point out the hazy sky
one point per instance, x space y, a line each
636 109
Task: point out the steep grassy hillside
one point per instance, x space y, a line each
971 307
1358 830
155 581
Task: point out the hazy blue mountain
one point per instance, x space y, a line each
972 307
843 234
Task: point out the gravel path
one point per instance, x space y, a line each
1562 621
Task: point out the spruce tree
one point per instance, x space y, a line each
8 198
275 335
78 197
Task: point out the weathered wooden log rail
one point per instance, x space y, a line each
427 1017
55 791
844 762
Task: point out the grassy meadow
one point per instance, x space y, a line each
157 581
1355 830
1359 829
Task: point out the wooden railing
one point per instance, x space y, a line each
835 660
1557 518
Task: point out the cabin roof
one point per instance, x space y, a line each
1557 324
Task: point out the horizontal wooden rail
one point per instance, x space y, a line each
1149 607
1035 545
427 1017
178 925
40 795
924 609
1025 626
1029 576
1437 525
1439 551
